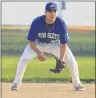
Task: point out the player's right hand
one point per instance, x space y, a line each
41 56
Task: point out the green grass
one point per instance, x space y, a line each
39 71
81 44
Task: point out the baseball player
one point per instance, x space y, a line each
48 33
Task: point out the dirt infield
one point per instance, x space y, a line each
47 90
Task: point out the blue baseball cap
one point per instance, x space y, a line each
51 6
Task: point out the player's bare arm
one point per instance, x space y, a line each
40 54
34 47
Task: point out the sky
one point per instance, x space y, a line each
22 13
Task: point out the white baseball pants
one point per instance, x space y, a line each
29 54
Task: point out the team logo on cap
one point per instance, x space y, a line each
52 5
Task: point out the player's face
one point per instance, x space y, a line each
50 16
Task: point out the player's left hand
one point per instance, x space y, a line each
59 66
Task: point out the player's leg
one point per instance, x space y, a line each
28 54
72 64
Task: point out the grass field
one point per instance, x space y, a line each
81 44
39 71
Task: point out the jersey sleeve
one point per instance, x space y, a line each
64 37
32 35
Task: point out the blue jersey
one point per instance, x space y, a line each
48 33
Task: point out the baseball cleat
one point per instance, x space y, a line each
14 87
79 88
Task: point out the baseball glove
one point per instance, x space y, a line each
59 66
